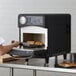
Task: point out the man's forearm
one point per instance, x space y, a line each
5 49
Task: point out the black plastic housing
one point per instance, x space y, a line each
59 34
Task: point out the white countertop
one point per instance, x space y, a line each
21 64
50 69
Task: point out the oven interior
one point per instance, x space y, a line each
34 40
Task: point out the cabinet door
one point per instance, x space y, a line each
23 72
45 73
4 71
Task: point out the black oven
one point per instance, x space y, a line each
59 30
46 34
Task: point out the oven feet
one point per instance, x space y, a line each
56 61
26 61
46 64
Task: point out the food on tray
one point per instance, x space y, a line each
30 42
67 64
38 43
35 43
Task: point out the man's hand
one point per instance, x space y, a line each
15 43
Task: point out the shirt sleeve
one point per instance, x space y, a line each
1 40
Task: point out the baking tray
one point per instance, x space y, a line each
21 52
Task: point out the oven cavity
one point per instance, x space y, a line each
34 40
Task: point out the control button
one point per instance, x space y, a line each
22 20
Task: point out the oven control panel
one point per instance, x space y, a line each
31 20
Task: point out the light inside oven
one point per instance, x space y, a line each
34 40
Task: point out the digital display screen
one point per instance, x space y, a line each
35 20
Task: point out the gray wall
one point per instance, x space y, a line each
9 10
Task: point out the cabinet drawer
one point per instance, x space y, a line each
4 71
23 72
46 73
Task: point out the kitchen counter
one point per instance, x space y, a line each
21 64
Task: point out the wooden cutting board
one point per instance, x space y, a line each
7 57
